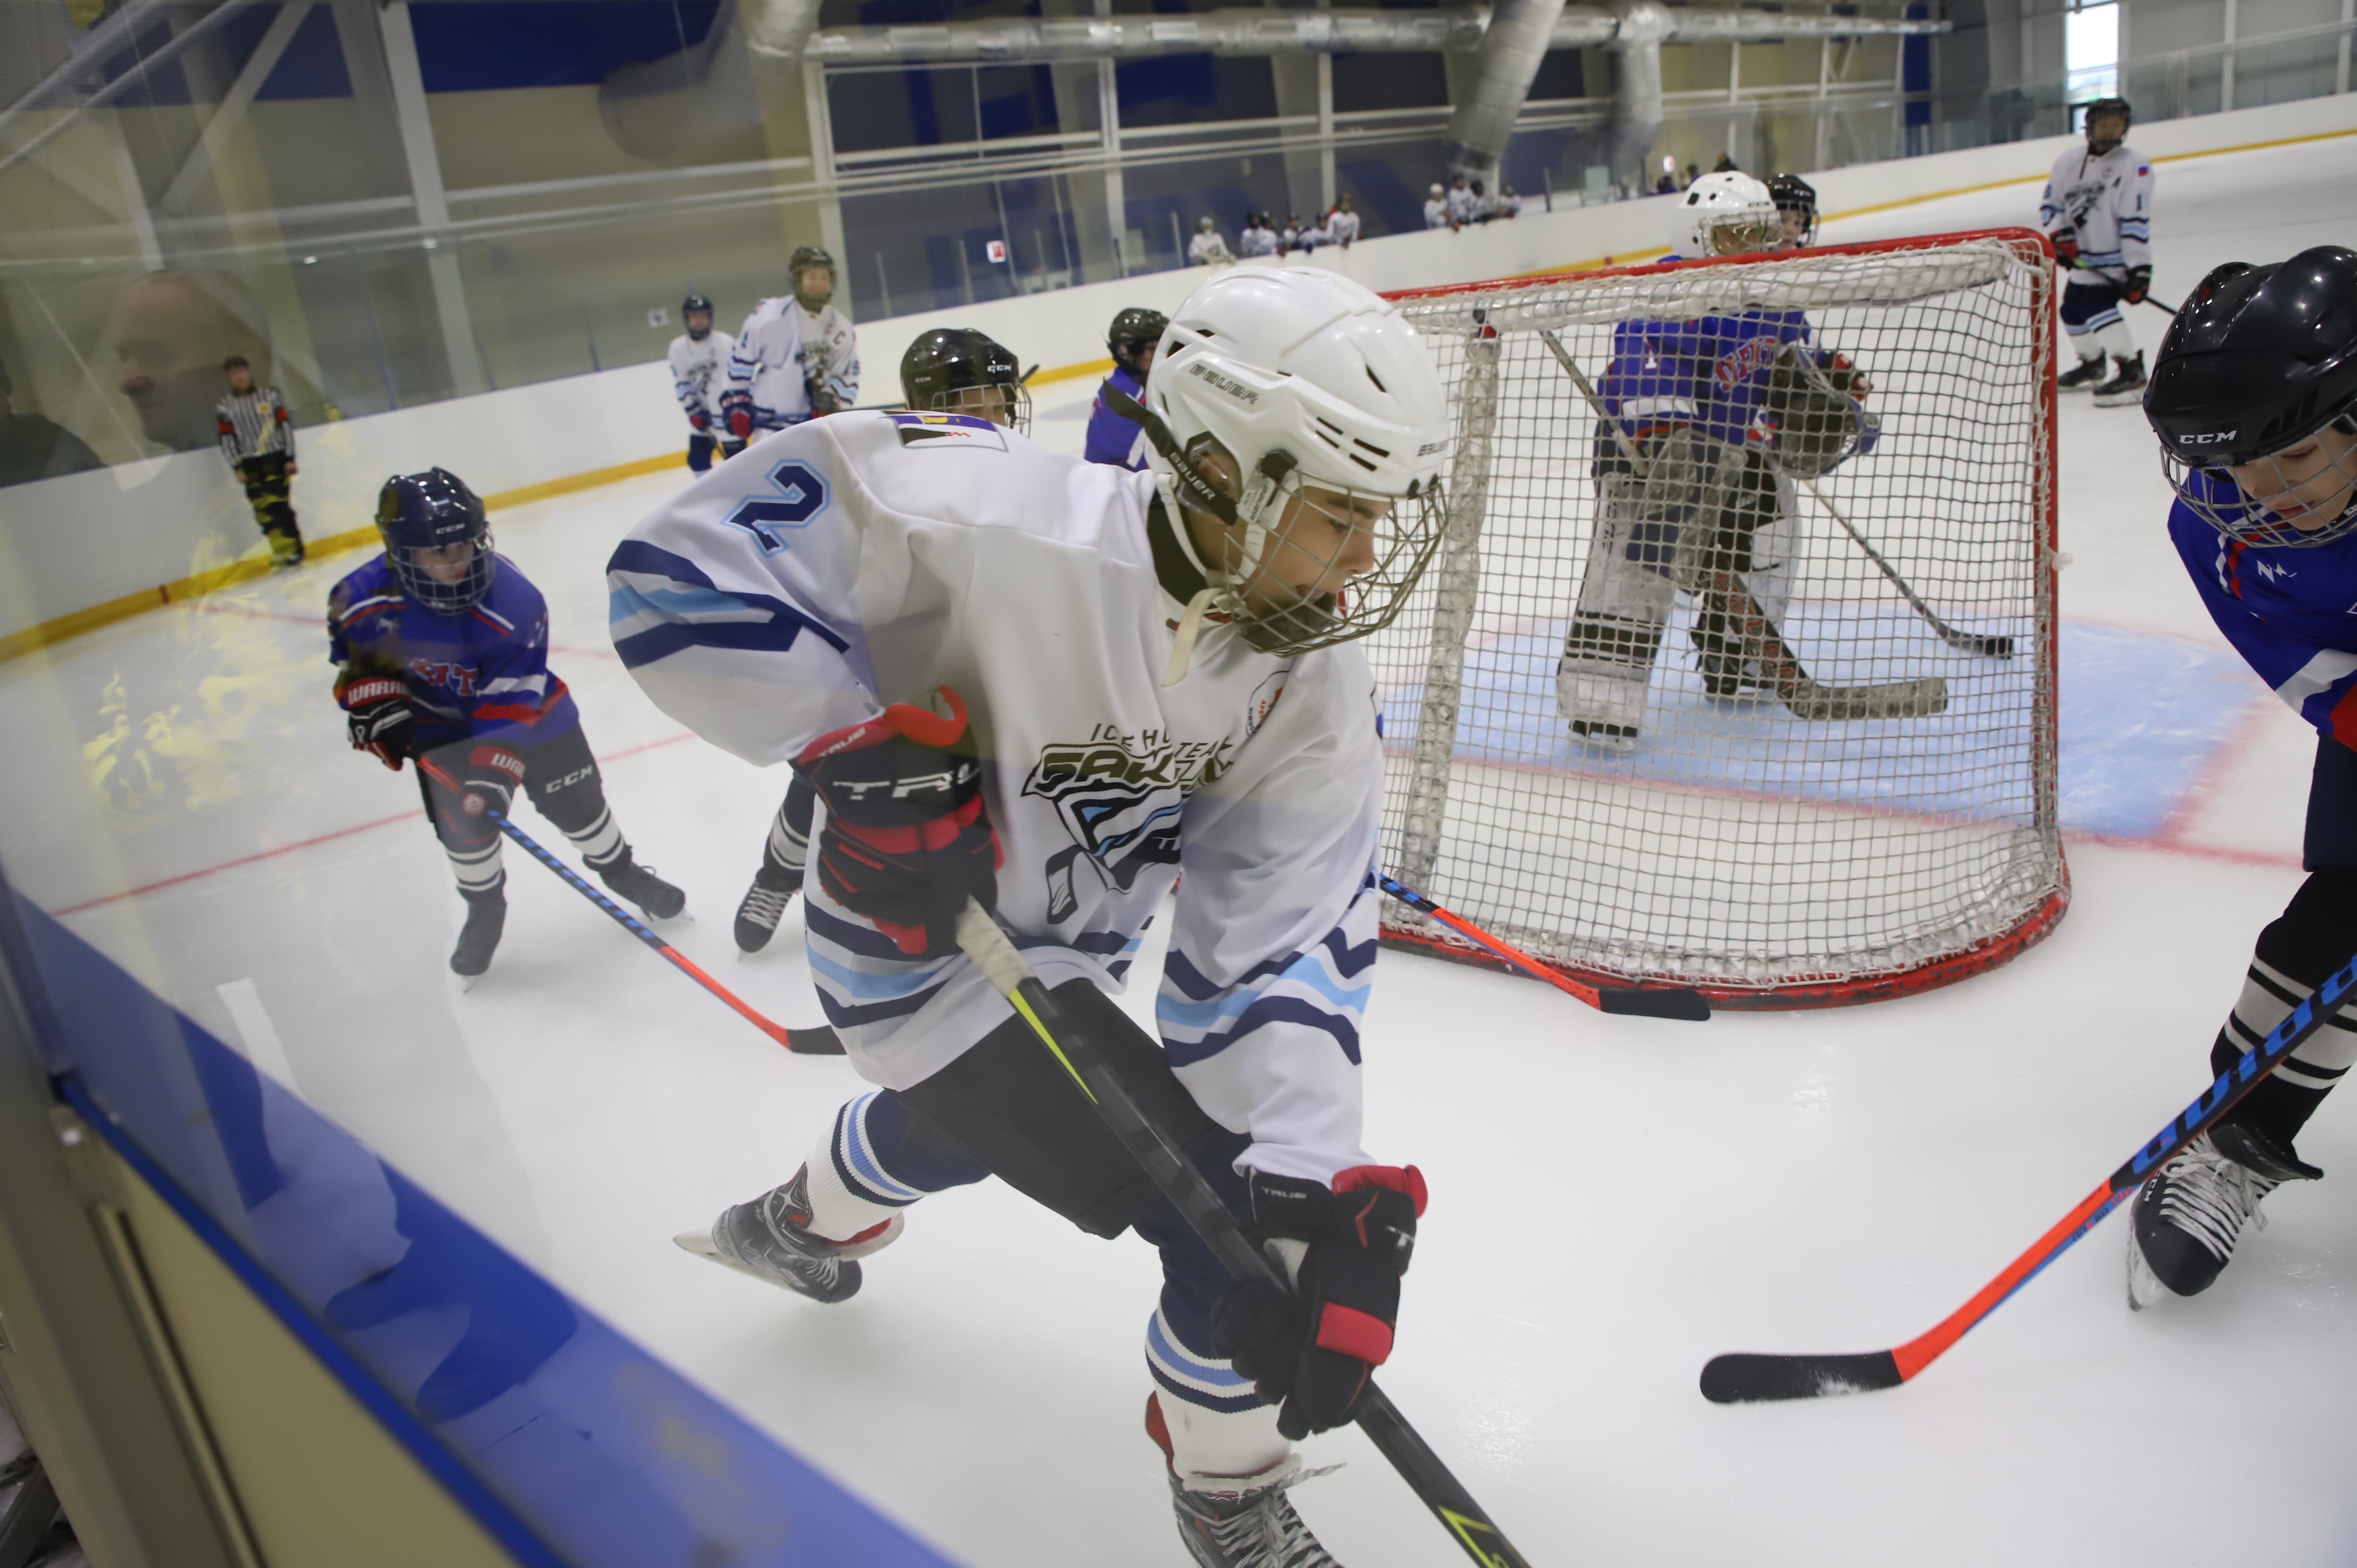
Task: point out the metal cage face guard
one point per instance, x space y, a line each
430 592
1321 532
1014 404
1739 234
2213 494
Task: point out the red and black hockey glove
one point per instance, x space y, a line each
699 420
1316 1349
906 838
377 719
2140 283
2066 247
737 411
492 776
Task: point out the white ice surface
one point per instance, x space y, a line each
1614 1200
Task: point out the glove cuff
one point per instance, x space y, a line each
375 688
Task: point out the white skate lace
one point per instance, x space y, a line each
766 906
2212 1198
1265 1532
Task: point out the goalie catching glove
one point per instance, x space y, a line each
1315 1350
377 719
907 839
1816 403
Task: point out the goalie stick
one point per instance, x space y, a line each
1961 641
820 1042
1661 1001
1808 698
992 953
1739 1379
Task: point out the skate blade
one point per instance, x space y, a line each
468 983
2143 1287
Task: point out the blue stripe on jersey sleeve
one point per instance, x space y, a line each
694 613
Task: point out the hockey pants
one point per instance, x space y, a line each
2091 316
268 491
701 445
1005 1108
561 777
1699 507
2315 936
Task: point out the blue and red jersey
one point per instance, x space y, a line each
1112 439
1710 373
2290 613
483 675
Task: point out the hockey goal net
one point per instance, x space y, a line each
1764 712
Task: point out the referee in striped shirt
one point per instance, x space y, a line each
258 439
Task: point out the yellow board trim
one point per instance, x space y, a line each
1066 372
49 633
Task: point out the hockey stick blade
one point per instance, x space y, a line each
1894 700
1661 1001
1739 1378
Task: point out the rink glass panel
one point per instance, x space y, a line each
1770 860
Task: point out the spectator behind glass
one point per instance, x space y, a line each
1341 223
32 447
1436 209
172 331
1257 238
1208 249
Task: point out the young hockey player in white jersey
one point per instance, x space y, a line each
2098 211
950 369
1711 422
1077 682
699 360
796 358
2254 400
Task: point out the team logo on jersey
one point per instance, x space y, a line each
460 678
1751 355
797 495
949 430
2272 573
1119 796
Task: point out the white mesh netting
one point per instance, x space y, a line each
1720 745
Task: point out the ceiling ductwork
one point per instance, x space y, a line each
706 90
1512 47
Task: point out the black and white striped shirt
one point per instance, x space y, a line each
253 423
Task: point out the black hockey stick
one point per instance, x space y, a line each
1734 1379
1991 646
979 934
820 1042
1664 1001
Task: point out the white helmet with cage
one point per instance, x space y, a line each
1726 214
1307 382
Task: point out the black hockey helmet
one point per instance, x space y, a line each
1134 331
2104 108
435 511
948 369
1793 194
689 307
2260 358
804 258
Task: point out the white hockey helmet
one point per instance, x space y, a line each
1727 215
1304 379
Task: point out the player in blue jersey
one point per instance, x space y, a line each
1706 424
441 651
2254 398
1132 340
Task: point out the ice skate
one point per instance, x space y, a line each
636 884
2124 388
1246 1522
487 915
765 904
2089 372
766 1239
2191 1212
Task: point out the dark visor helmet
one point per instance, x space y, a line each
945 364
692 303
1133 332
2258 360
1793 194
2100 109
433 511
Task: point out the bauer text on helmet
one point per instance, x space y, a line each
1315 414
2253 397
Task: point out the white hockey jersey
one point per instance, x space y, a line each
868 558
2108 201
697 370
782 350
831 350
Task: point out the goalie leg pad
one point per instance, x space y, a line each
1625 595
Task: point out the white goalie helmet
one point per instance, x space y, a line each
1726 214
1317 389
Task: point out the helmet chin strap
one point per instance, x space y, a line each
1263 496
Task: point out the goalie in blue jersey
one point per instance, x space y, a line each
1704 423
